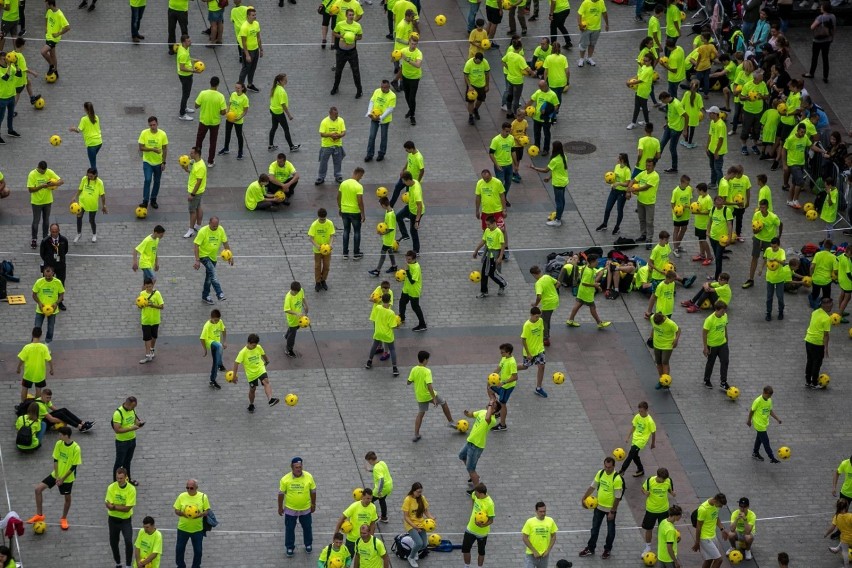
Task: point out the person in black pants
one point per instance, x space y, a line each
53 251
816 342
59 416
718 319
186 70
125 423
492 257
557 21
120 500
412 288
720 214
347 52
411 64
177 17
250 57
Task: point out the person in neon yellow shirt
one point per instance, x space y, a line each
477 530
360 513
643 82
145 254
238 103
388 239
667 537
642 429
411 69
610 489
178 13
29 420
148 547
56 26
828 214
384 321
714 334
705 531
382 483
844 281
382 102
507 368
150 316
207 243
190 528
589 23
295 306
412 289
347 32
645 187
90 128
742 528
125 424
758 417
67 456
297 501
153 147
47 291
370 552
211 108
774 278
321 232
119 501
823 270
588 285
494 244
258 196
656 490
332 129
717 145
41 183
254 359
484 421
284 176
539 536
251 43
196 184
350 205
334 551
546 297
421 377
771 227
35 359
477 77
185 70
91 191
532 339
214 338
816 342
665 335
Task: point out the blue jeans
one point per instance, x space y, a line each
210 278
336 154
597 520
216 355
290 530
471 16
352 221
419 538
778 291
155 172
504 174
559 198
136 20
762 438
92 153
7 108
396 191
197 539
51 321
405 213
615 196
748 30
670 137
715 168
639 6
41 431
703 78
371 141
673 85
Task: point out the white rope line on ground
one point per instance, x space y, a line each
315 44
493 533
578 248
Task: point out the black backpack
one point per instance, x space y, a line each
25 434
21 409
402 548
624 243
617 474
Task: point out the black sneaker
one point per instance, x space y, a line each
373 273
724 386
616 230
476 114
2 141
757 457
13 134
154 204
295 147
253 89
273 401
250 408
368 364
501 428
395 371
391 270
215 385
83 4
670 170
748 283
223 152
773 460
222 368
586 552
291 354
403 238
317 287
357 256
324 285
419 328
600 228
708 385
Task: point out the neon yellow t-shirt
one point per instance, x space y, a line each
415 195
238 103
328 126
476 72
539 533
556 66
494 240
147 250
90 193
43 196
709 515
413 272
322 232
490 193
149 544
359 515
185 499
751 518
125 419
297 491
479 431
383 101
409 71
250 31
118 495
666 533
150 315
719 219
35 357
819 325
252 361
824 264
607 485
55 21
183 59
778 275
209 241
349 190
533 333
592 12
328 554
644 427
370 552
66 456
501 146
382 476
664 333
197 171
486 505
294 302
48 292
665 294
716 329
546 288
91 132
414 164
771 223
280 99
154 140
255 193
212 332
421 378
212 104
508 367
657 500
649 196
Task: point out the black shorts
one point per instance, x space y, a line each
469 539
783 131
149 332
700 234
50 44
64 489
650 519
681 223
625 283
326 18
493 16
260 379
9 28
723 82
19 89
661 357
387 248
29 384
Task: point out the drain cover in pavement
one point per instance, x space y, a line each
578 147
134 110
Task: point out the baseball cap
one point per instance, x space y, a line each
713 109
744 502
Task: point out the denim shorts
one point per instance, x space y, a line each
217 16
148 273
470 455
503 394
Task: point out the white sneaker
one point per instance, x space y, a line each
631 126
189 233
504 108
413 562
210 164
728 552
641 123
94 238
646 550
196 227
77 238
185 117
748 555
591 62
146 359
190 110
676 253
581 62
554 223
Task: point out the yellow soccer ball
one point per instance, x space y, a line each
291 399
11 57
304 321
757 225
434 539
51 77
38 104
558 378
806 281
227 255
649 558
694 207
191 511
493 379
55 140
784 453
823 380
381 192
349 37
700 116
475 276
141 212
682 16
808 207
733 393
485 43
773 265
396 55
428 525
811 215
141 302
405 197
533 150
280 195
39 527
381 228
334 10
530 110
669 267
471 94
75 208
184 160
198 67
462 426
706 304
678 210
357 493
677 532
782 108
231 116
752 95
335 562
538 64
175 47
376 297
440 19
664 60
835 318
325 249
399 275
415 36
609 177
507 4
395 246
346 527
739 199
723 240
523 139
551 216
619 454
656 76
666 380
735 557
738 89
231 377
723 115
590 502
481 517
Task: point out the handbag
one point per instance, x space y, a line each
822 31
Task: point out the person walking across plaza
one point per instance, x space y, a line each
816 342
191 507
125 423
196 185
90 127
119 501
332 129
185 70
41 183
67 456
705 531
207 243
410 72
150 316
714 334
154 148
252 48
610 489
211 108
380 112
382 483
297 500
53 252
238 106
414 207
89 193
494 244
412 289
279 109
414 164
56 26
350 206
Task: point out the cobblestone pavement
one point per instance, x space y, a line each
553 447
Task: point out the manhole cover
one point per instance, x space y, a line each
134 110
578 147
